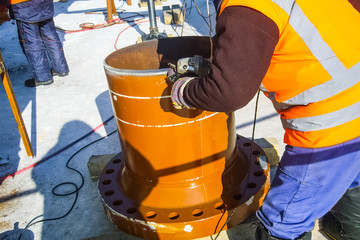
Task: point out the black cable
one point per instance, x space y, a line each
248 176
135 14
200 13
76 189
222 215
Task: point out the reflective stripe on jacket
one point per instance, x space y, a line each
314 75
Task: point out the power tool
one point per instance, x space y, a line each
195 66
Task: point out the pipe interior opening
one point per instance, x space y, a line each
156 54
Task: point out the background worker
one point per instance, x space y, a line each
39 40
305 56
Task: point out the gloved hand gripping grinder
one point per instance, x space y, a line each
189 67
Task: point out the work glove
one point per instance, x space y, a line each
177 89
177 93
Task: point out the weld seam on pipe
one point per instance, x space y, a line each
138 97
169 125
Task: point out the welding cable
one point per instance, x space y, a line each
200 13
130 25
248 176
76 189
91 26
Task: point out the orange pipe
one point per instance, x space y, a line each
177 168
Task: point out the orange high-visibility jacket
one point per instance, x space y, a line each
314 75
17 1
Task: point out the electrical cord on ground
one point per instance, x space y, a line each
130 25
247 179
76 189
120 20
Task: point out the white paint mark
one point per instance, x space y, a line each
169 125
151 226
160 83
156 225
115 98
136 97
248 202
263 162
188 228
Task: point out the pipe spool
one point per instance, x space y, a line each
181 173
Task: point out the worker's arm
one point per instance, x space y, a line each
244 46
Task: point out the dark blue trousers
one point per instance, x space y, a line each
307 184
42 48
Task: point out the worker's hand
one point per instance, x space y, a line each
177 93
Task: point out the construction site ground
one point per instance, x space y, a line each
63 118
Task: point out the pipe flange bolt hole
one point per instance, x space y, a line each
118 160
117 202
151 214
197 212
106 182
173 215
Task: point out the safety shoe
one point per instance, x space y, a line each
332 227
343 221
263 234
34 83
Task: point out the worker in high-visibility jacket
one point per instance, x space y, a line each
305 56
39 40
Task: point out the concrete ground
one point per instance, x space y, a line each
75 111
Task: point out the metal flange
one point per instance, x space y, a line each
200 220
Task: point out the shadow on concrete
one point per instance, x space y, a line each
13 234
55 171
104 106
17 65
10 140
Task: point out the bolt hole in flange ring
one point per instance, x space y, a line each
197 212
150 214
167 192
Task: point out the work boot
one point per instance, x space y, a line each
343 221
34 83
263 234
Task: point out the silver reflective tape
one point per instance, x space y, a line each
313 40
324 121
286 5
328 89
342 78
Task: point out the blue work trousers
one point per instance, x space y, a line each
306 185
42 48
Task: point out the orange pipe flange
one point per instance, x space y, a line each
180 172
